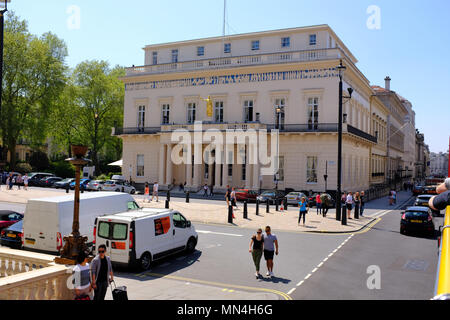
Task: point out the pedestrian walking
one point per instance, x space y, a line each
363 203
394 196
256 249
228 196
325 204
19 181
349 204
205 190
357 201
318 204
25 182
303 210
270 247
81 278
180 187
211 190
147 193
233 198
101 273
155 191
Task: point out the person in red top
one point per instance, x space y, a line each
318 204
147 192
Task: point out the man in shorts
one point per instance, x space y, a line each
269 249
155 191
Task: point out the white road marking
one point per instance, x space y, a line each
320 264
221 233
307 277
300 283
314 270
290 291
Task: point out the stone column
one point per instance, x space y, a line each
256 174
197 167
169 165
217 177
161 164
248 172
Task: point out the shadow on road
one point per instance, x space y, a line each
275 280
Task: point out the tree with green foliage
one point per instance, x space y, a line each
100 97
34 75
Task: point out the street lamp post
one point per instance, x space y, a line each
75 243
341 69
3 9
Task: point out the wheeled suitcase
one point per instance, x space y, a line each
119 293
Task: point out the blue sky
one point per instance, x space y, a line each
412 46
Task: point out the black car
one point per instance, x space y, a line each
12 236
34 178
271 196
49 181
63 184
418 219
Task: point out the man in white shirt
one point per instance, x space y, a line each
25 182
155 191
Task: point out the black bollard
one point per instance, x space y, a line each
230 214
257 207
245 209
267 206
123 189
82 189
344 212
167 204
285 204
168 195
67 189
187 197
276 204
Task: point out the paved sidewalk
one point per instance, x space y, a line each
215 212
383 203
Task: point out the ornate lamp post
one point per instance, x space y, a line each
75 243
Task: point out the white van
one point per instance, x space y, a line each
48 220
138 237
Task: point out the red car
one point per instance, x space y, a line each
245 194
8 217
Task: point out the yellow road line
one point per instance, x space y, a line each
218 284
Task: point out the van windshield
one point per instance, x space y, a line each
132 205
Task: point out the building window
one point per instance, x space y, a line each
191 112
175 56
312 39
141 117
285 42
311 170
248 110
230 170
280 168
218 111
140 165
255 45
200 51
280 103
165 113
244 167
227 48
155 57
206 172
313 113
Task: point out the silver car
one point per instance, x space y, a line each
118 186
95 185
295 197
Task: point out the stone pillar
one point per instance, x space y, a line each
256 174
169 165
197 167
217 177
248 172
161 164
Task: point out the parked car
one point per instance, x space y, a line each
418 189
34 177
8 217
118 186
417 219
83 184
48 220
95 185
271 196
139 237
295 197
12 236
429 190
63 184
245 194
48 182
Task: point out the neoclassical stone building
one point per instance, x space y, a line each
282 79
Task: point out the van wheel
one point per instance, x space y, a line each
190 247
133 191
145 261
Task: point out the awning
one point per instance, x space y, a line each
118 163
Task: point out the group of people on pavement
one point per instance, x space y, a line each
264 244
154 192
230 197
354 201
92 279
392 197
11 180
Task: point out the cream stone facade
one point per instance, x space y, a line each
249 78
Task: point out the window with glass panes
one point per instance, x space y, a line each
255 45
141 117
200 51
312 39
218 111
175 56
155 57
248 110
285 42
165 113
191 112
313 113
311 169
280 104
227 48
140 165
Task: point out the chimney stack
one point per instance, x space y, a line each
387 83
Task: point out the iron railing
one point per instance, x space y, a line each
361 134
